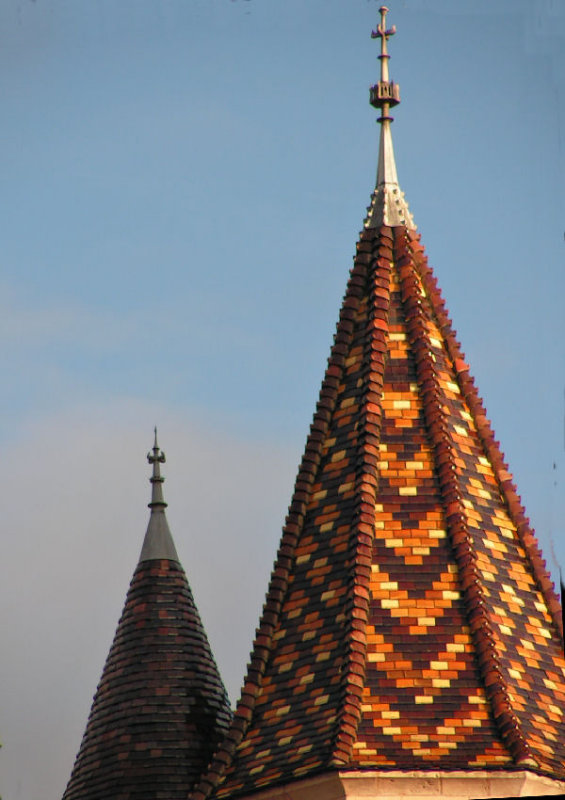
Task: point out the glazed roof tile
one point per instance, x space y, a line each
410 623
160 708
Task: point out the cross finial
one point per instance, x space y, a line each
156 458
385 93
383 34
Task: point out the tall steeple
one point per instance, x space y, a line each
411 641
160 708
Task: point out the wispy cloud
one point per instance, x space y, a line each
34 323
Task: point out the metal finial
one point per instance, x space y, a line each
385 93
156 458
388 205
158 542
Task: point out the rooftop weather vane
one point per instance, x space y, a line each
385 93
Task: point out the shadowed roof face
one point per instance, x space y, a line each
160 709
410 623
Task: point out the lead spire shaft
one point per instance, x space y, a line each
158 542
156 458
388 206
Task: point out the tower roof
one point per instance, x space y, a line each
410 623
160 708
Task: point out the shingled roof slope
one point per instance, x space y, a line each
410 623
160 708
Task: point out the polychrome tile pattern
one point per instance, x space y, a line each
300 704
410 623
423 700
507 591
160 707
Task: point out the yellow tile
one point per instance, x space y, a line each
376 657
322 700
322 656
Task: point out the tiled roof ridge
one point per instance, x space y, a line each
437 422
492 448
291 531
369 253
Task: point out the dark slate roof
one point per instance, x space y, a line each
410 622
160 709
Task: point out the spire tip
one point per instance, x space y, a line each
385 93
156 457
158 542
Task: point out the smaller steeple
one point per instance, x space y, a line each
388 206
158 542
161 708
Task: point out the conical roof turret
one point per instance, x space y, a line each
411 635
160 708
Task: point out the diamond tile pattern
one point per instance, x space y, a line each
160 708
410 622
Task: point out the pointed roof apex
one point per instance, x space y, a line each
388 206
158 542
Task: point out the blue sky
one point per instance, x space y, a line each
182 184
